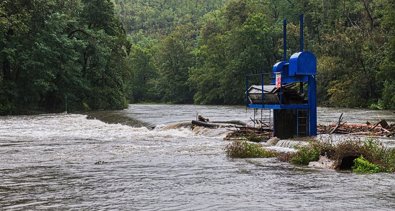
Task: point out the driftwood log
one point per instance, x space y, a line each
339 122
381 128
205 124
218 124
232 122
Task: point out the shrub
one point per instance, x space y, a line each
363 166
380 155
306 154
367 156
243 149
254 138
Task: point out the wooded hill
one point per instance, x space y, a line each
182 56
58 52
101 54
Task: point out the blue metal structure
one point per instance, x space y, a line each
299 71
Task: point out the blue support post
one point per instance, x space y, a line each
312 98
300 69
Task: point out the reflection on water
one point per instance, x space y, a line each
71 162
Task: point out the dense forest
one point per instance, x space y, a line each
101 54
57 53
200 51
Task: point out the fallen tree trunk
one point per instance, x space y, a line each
233 122
205 124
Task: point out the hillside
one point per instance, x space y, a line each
200 51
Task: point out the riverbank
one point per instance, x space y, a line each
74 162
359 155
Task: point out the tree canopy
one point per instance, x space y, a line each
224 41
56 52
102 54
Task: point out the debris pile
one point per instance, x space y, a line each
381 128
249 133
240 130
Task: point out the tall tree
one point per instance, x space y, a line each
54 52
174 61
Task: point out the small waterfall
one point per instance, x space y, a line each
290 143
117 117
177 125
219 132
200 131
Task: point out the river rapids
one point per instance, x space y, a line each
78 162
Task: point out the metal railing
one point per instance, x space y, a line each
257 79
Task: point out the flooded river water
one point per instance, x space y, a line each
71 162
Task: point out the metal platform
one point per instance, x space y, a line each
291 92
278 106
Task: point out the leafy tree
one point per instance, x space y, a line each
77 52
174 60
54 52
144 73
387 68
245 45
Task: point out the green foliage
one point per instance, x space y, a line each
306 154
354 42
363 166
244 149
52 51
388 98
371 156
187 51
231 48
174 60
144 73
371 150
160 17
378 154
387 67
254 138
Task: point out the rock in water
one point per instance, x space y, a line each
273 141
202 119
324 162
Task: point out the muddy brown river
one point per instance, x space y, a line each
71 162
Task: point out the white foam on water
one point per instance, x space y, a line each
78 127
290 143
75 126
281 149
173 168
207 132
186 127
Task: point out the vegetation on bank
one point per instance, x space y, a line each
363 166
305 155
101 54
244 149
368 156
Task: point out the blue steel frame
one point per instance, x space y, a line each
311 106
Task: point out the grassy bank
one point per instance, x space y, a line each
368 156
244 149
